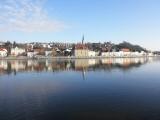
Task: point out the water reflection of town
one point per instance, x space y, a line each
15 66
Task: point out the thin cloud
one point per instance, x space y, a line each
26 16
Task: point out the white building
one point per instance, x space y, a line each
3 52
125 54
30 54
135 54
17 51
91 53
116 54
111 54
105 54
142 53
150 54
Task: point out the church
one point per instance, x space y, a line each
81 50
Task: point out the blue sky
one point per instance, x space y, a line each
135 21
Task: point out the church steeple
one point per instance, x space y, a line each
83 39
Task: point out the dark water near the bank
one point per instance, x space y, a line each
110 89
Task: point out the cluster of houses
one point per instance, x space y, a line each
14 52
32 50
79 50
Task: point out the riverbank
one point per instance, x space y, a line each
66 57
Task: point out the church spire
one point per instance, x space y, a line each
83 39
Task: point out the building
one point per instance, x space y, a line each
3 52
115 54
142 53
109 54
81 50
105 54
91 53
150 54
17 51
30 54
39 51
125 52
135 54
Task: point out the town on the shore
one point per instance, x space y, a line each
71 50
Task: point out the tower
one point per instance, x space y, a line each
83 39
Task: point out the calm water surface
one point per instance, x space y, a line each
110 89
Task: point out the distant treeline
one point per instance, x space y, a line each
130 46
106 46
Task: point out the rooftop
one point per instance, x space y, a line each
81 46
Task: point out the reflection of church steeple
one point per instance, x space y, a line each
84 74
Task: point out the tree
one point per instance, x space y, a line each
130 46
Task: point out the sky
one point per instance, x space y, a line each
134 21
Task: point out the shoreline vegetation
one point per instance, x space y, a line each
68 57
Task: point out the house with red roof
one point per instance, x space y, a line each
81 50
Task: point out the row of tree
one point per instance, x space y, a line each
108 46
130 46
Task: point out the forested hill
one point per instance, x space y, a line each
130 46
